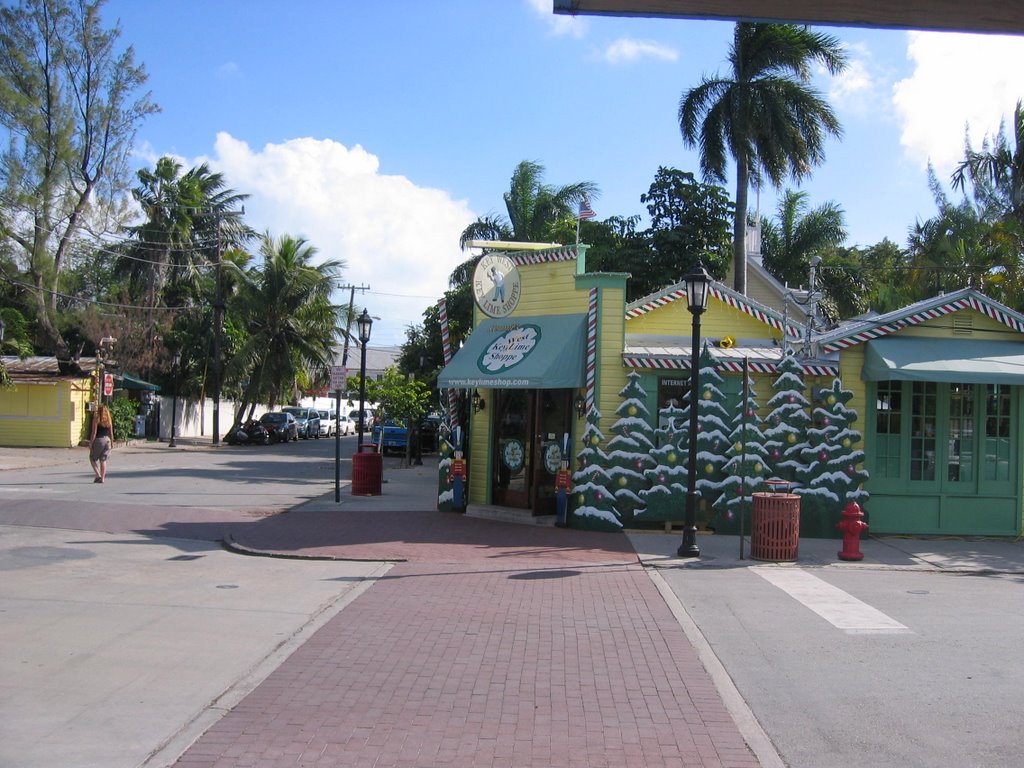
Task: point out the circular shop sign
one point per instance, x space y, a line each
496 285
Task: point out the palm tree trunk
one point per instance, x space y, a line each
739 228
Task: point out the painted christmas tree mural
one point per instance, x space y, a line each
785 429
664 498
629 452
833 474
595 502
745 467
712 433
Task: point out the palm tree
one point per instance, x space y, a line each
284 305
764 114
797 234
189 219
535 210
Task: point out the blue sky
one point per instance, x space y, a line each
379 130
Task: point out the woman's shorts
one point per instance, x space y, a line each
100 449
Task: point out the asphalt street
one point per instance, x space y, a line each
122 639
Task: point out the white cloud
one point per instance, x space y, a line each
400 239
229 71
559 24
626 49
958 80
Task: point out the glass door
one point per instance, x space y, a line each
513 447
553 414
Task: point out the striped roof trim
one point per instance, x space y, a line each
891 323
568 253
682 363
736 301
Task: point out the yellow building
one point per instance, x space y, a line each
45 407
935 391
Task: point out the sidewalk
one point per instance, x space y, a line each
488 644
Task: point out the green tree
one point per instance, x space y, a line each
763 113
400 399
70 107
284 304
533 207
797 234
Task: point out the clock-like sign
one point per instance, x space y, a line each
496 285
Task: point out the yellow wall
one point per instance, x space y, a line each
50 414
718 321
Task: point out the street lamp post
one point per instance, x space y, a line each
174 402
698 287
365 323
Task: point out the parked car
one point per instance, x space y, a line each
327 422
345 425
394 435
390 435
367 419
281 426
307 419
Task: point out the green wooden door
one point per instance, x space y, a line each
943 458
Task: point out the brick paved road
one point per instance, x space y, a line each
551 649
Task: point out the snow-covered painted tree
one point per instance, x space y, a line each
712 432
629 452
595 502
445 453
664 498
745 467
833 474
785 429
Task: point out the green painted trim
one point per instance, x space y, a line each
602 280
581 258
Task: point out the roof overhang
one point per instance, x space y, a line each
996 16
962 361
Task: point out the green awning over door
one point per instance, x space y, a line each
966 361
537 352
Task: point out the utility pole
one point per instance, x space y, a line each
218 327
348 317
337 392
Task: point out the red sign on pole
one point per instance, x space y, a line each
108 384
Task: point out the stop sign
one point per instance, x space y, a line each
108 384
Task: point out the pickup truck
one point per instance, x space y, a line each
390 436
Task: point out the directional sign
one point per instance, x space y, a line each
108 384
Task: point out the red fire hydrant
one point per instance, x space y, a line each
851 525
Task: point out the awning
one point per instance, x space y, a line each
127 381
967 361
538 352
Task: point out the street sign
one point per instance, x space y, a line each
108 384
339 375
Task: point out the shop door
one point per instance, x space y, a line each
529 427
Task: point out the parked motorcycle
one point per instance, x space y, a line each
250 433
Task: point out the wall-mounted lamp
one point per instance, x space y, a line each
478 402
581 406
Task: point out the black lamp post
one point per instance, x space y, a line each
174 401
365 323
698 287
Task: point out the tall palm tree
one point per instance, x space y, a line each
799 233
534 210
764 114
284 305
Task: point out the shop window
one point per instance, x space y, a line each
923 401
960 466
888 415
997 432
674 392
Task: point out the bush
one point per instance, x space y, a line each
123 411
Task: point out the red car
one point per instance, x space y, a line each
281 426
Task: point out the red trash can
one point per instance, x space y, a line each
775 529
367 471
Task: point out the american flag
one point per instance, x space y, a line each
586 212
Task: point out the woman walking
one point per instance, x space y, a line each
100 442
